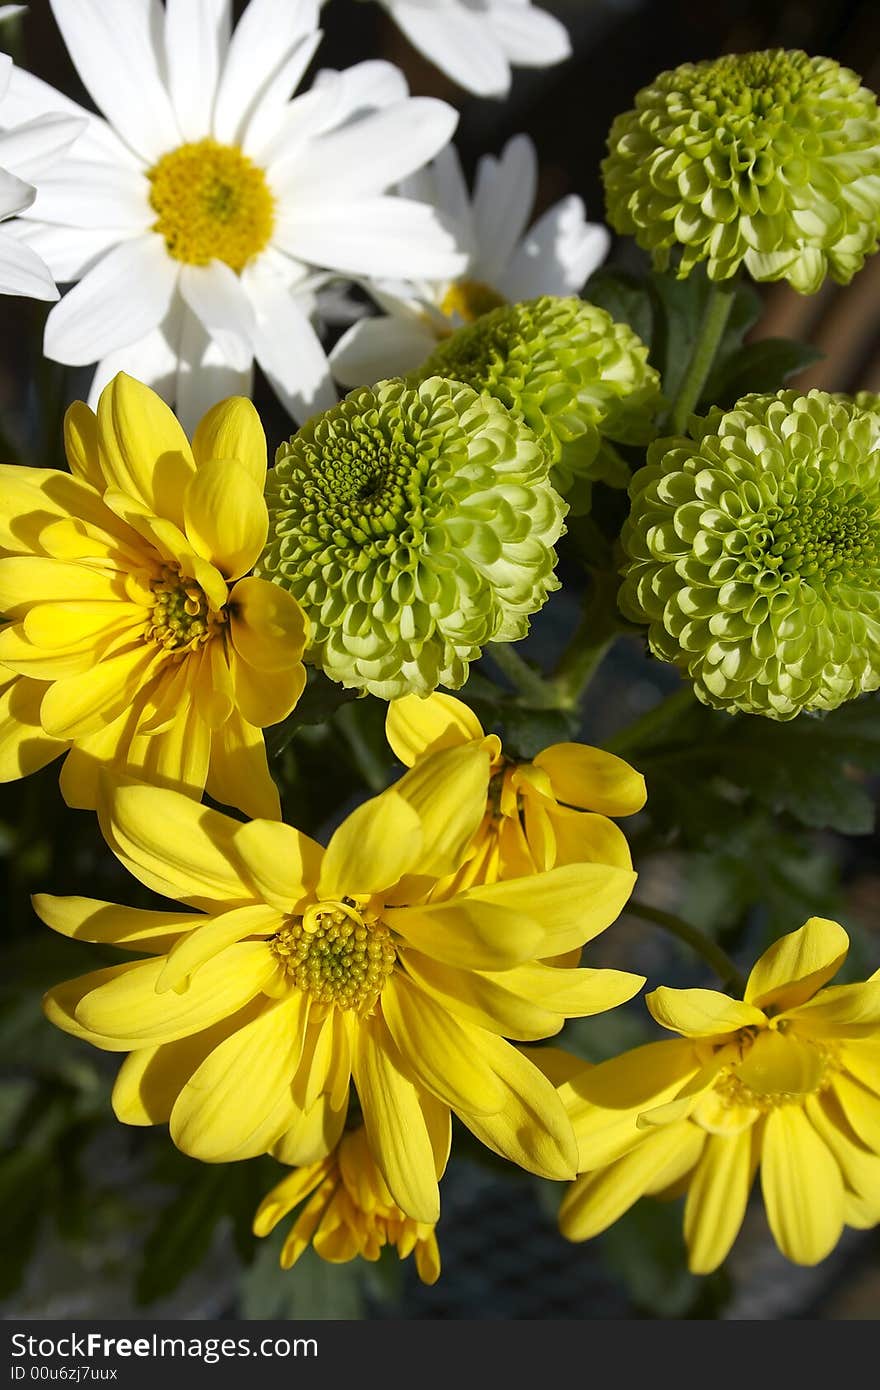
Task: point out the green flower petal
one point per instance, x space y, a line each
414 525
754 553
767 159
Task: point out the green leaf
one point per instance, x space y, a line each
646 1248
761 366
318 702
626 298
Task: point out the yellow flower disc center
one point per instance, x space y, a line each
212 203
470 299
336 956
180 615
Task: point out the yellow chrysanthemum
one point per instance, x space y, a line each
538 815
133 638
787 1080
350 1212
305 966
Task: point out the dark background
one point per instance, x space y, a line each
502 1256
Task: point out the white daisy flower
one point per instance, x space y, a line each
195 215
506 263
25 152
477 42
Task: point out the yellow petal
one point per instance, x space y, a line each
129 1007
448 790
862 1060
700 1013
443 1053
24 747
226 518
557 1065
531 1128
592 779
795 966
862 1110
26 580
151 1078
313 1134
163 539
78 705
238 772
467 932
131 928
802 1186
20 656
373 848
173 845
717 1198
414 726
636 1079
581 837
143 449
212 936
61 1005
288 1194
282 863
67 626
115 750
596 1201
269 630
844 1010
265 701
779 1062
81 444
860 1169
394 1122
232 430
32 500
572 904
307 1222
222 1109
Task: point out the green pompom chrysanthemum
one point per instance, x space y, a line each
575 376
770 159
414 525
754 553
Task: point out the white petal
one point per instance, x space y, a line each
557 256
368 155
35 145
378 348
264 38
217 298
530 38
459 43
81 194
196 41
68 251
504 196
117 55
5 70
205 376
22 272
287 347
366 86
15 194
153 359
443 185
269 111
116 303
27 97
375 236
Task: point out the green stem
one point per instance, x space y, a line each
698 941
652 722
712 328
530 684
593 636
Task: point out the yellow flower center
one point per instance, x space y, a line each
776 1068
337 956
470 299
212 203
180 615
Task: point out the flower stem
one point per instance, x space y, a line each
717 312
698 941
592 637
652 722
530 684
